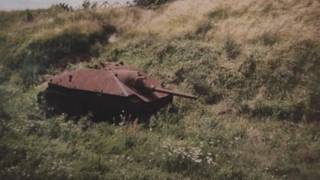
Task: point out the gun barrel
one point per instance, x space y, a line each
184 95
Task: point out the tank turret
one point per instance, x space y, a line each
141 82
107 90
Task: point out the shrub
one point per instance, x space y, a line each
29 17
149 3
86 4
232 48
249 66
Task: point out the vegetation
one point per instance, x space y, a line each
256 73
149 3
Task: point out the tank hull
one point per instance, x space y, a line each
101 106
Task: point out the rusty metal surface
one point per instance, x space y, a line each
113 79
107 91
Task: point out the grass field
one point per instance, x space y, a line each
253 63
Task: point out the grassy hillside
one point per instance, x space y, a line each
253 63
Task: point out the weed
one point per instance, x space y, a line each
218 14
248 68
269 39
232 48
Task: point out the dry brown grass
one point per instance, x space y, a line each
288 20
81 26
246 20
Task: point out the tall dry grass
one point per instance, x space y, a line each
244 20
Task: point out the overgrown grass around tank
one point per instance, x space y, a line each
256 75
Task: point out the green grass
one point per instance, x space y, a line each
257 116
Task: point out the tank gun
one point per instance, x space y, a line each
174 93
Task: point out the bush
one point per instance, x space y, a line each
86 4
29 17
149 3
232 48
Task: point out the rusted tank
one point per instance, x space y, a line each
111 89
